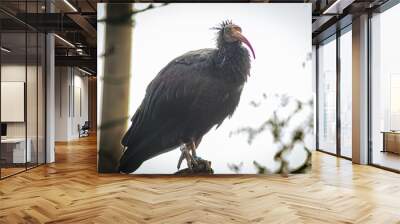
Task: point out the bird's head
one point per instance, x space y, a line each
229 32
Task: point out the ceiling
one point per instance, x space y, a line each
74 22
332 15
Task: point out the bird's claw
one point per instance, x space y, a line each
190 159
202 167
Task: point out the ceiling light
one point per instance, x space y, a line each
5 50
79 51
65 41
70 5
338 6
84 71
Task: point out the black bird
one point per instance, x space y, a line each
189 96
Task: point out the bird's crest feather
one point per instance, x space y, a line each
222 25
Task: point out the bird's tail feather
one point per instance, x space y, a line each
137 151
133 158
142 145
131 132
130 163
125 139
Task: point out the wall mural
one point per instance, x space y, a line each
184 93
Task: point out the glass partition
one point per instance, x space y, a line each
31 100
13 103
41 91
22 101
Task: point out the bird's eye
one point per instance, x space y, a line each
236 28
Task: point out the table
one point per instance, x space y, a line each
391 141
13 150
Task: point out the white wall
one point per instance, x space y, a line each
61 103
80 94
70 84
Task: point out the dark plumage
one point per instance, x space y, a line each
189 96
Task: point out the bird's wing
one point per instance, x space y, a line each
179 85
170 97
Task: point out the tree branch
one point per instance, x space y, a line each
126 18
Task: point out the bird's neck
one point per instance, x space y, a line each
233 61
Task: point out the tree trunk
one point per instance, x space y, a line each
116 79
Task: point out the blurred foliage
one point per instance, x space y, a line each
126 18
235 167
278 126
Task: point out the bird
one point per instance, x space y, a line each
189 96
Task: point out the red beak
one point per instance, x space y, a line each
244 40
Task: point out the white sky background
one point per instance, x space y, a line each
281 37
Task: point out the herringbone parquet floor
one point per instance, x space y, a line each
71 191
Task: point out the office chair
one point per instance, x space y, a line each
84 130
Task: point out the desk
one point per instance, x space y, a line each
391 141
15 148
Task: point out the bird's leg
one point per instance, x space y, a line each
200 165
185 149
182 148
195 163
193 149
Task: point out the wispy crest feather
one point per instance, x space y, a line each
222 25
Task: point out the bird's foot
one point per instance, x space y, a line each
190 159
195 164
202 167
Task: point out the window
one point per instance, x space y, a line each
327 96
346 93
385 89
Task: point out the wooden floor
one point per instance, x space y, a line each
10 171
70 191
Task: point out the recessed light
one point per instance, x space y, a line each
337 7
5 50
84 71
64 40
70 5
